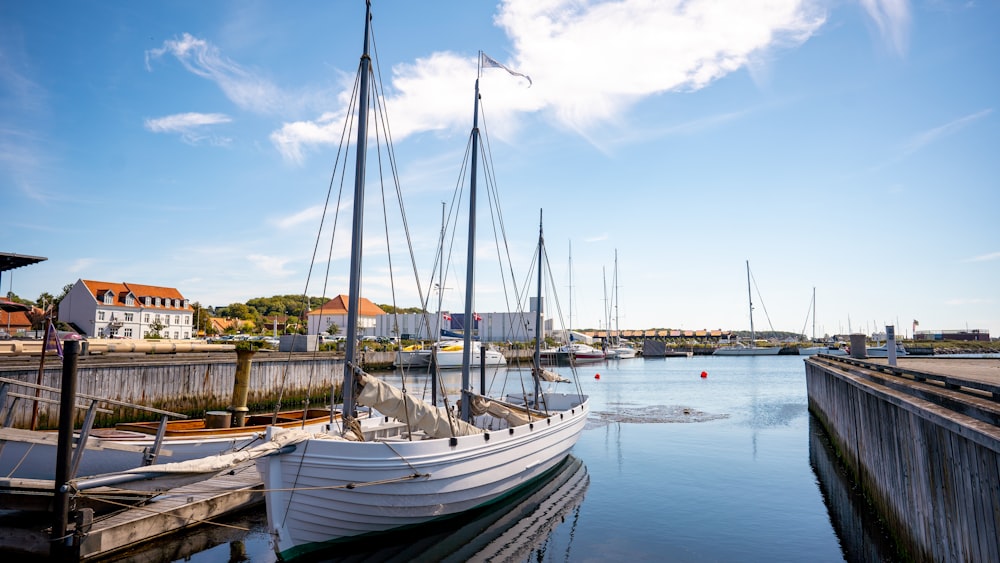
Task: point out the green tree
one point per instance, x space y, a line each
155 328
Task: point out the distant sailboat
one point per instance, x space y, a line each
813 350
740 349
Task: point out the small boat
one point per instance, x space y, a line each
883 351
740 349
578 352
414 356
449 355
416 463
31 454
622 350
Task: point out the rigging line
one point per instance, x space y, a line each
388 251
390 151
491 175
808 311
761 299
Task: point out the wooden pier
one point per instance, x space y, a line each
166 514
922 439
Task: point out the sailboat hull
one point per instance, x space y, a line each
327 492
747 351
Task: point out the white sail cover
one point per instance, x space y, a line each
481 405
388 400
547 375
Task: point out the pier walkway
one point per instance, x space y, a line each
922 439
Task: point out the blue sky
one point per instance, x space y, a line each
846 146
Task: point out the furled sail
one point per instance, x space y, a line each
392 402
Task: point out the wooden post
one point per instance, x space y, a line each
241 387
67 411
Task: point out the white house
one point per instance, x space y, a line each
126 310
489 327
334 312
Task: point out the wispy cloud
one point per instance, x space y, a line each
81 264
245 88
892 17
984 257
273 265
572 50
969 301
190 126
308 214
924 138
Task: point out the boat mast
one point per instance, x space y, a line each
354 296
536 373
814 314
470 265
753 336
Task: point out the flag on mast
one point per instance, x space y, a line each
488 62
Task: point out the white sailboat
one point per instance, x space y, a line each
618 349
831 350
417 463
740 349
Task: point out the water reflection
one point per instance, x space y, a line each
518 528
860 532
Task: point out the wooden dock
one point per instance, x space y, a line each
922 439
166 514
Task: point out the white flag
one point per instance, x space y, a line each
488 62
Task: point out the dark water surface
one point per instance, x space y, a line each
672 467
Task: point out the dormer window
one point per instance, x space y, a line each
108 298
157 301
149 301
129 300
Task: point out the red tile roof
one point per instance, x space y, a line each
338 306
120 290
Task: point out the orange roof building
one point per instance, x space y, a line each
126 310
334 312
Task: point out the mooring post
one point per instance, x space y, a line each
890 344
241 387
61 544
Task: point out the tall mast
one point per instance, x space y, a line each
753 335
814 314
470 265
354 296
538 313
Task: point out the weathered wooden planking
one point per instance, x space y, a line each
932 472
186 384
180 508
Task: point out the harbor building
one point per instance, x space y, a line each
126 310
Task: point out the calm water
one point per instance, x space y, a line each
675 467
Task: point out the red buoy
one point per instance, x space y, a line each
704 375
597 376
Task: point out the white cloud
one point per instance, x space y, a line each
584 74
308 214
190 126
81 264
274 265
927 137
892 17
984 257
243 87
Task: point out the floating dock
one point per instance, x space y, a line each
922 439
168 513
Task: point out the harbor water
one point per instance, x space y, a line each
684 459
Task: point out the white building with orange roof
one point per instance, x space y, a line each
334 312
126 310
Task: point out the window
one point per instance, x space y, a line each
129 317
149 301
177 319
187 335
157 301
108 298
100 315
128 333
145 318
129 300
145 333
157 317
176 335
